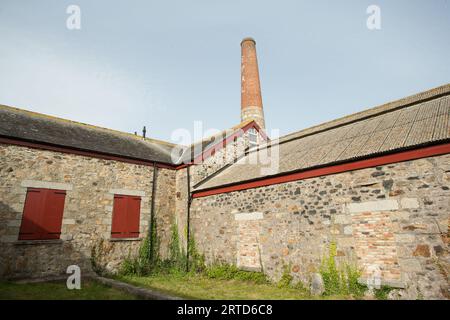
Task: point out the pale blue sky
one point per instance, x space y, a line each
165 64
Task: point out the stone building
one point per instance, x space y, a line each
375 183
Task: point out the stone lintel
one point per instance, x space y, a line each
248 216
372 206
128 192
46 185
399 284
409 203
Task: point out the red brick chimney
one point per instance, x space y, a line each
251 101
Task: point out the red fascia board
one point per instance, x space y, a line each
423 152
91 154
222 144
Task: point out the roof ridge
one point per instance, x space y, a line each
55 118
232 129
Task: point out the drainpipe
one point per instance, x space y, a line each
188 217
152 210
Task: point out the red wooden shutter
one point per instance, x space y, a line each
30 229
119 219
134 208
53 214
126 215
42 214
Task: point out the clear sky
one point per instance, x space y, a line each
166 64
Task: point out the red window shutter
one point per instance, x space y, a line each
42 214
126 214
134 208
53 214
119 219
30 228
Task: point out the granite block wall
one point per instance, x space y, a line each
392 221
90 185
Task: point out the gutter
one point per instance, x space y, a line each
188 217
152 210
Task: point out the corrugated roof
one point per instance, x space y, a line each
416 120
36 127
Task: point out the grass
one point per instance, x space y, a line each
90 290
201 287
230 272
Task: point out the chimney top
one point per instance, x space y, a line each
248 39
251 100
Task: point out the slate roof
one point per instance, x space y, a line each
420 119
36 127
40 128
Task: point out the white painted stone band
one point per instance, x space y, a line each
372 206
68 221
127 192
409 203
46 185
248 216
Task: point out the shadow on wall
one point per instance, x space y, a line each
32 256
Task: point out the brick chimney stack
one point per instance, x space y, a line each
251 100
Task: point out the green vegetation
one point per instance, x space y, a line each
340 280
148 261
286 278
382 293
90 290
200 286
97 254
224 281
230 272
176 263
140 265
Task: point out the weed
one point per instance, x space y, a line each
286 277
382 293
230 272
340 281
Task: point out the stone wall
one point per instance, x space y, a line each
165 207
392 221
200 171
181 204
90 185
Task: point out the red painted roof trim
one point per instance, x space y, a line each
208 152
333 169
